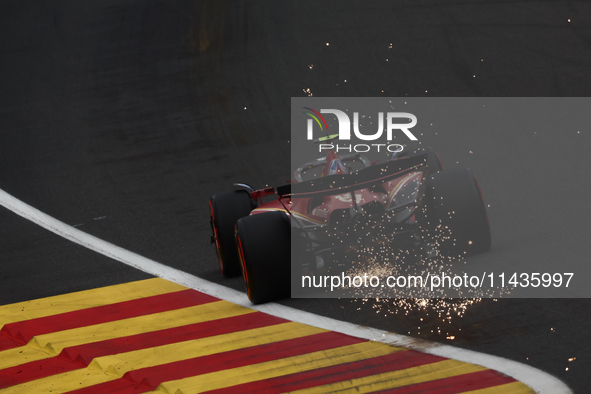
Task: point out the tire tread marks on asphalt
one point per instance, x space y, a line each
154 336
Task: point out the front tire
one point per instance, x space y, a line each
455 207
225 210
433 160
264 247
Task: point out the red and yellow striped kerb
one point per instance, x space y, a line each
154 336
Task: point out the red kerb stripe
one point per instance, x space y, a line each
147 379
455 384
18 334
80 356
337 373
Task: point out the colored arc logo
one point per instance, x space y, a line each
318 117
315 116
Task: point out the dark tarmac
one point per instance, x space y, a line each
123 117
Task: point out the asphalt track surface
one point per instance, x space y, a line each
122 118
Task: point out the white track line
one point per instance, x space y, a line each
540 381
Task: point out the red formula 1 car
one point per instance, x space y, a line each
352 202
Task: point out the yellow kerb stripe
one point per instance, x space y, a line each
509 388
280 367
104 369
400 378
49 345
43 307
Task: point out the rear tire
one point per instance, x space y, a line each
454 205
264 246
225 210
433 160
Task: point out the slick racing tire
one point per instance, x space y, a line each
264 246
225 210
456 213
433 160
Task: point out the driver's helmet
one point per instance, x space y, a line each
395 155
337 167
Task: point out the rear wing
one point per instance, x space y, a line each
367 177
299 172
